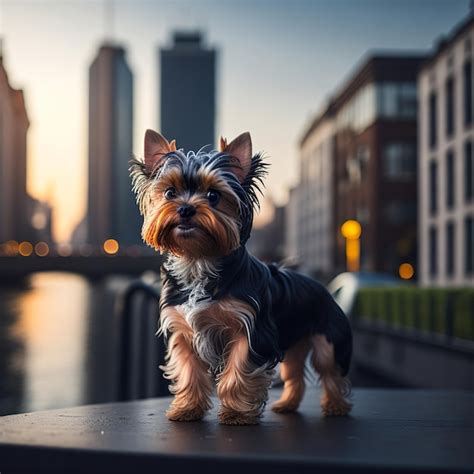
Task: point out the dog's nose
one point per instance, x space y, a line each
186 210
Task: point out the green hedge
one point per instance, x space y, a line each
426 309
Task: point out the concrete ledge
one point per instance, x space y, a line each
388 430
414 362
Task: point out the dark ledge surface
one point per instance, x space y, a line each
388 430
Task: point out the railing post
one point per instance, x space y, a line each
124 313
449 316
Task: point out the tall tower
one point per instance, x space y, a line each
112 212
14 217
188 92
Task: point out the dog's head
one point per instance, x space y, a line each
197 204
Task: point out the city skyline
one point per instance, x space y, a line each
287 97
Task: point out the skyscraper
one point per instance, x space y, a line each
112 212
14 218
188 92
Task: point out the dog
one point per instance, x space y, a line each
227 317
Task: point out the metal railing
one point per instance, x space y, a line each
141 351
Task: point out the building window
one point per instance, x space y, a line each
432 119
468 172
433 187
450 173
433 255
469 244
450 113
450 257
467 79
400 212
397 100
400 161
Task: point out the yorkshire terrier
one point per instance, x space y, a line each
227 316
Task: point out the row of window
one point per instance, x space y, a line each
391 100
450 176
450 106
451 248
399 161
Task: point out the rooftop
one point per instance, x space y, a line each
445 42
374 66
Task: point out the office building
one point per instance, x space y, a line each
446 165
14 217
188 92
112 212
359 161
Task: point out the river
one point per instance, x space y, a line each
58 342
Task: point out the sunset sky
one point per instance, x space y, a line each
278 62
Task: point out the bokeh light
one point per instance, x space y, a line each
111 246
351 229
25 249
64 249
9 249
42 249
406 271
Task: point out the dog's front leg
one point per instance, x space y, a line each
191 381
242 387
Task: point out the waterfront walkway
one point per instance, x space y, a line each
388 430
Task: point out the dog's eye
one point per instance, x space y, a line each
213 197
170 193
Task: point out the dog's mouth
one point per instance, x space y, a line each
186 229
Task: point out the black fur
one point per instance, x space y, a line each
288 305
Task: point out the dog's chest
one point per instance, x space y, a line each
215 324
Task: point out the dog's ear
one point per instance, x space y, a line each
241 150
156 147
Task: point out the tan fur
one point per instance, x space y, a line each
191 382
292 374
217 230
336 388
242 387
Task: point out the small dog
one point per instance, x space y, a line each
228 317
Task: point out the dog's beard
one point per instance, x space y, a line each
210 233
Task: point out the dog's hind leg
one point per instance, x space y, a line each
336 388
292 374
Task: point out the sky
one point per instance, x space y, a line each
279 61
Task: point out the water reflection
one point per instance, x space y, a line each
12 355
57 342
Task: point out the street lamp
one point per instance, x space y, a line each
351 231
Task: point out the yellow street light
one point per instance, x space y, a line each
351 230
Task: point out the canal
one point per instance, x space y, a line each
58 342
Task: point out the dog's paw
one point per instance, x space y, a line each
176 413
285 406
333 408
228 417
